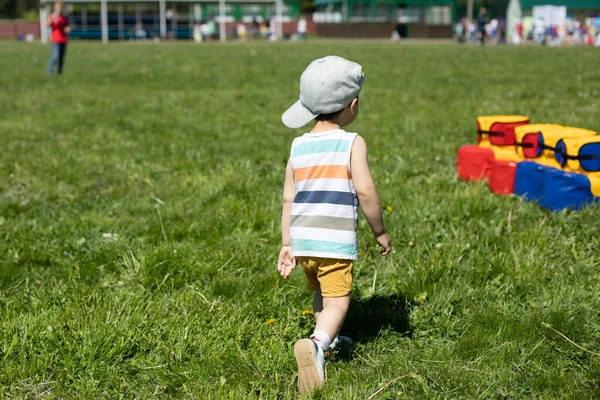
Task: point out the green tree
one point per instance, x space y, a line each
12 9
307 6
496 8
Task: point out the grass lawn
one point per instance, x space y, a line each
139 226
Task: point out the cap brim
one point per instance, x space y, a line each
297 116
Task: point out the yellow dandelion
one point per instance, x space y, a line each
270 322
422 298
389 208
308 312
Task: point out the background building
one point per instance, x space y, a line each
377 18
579 9
564 14
119 19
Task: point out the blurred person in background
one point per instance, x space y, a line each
273 31
591 37
263 31
518 32
569 28
301 28
539 31
556 39
576 32
60 29
255 31
211 28
501 32
169 17
585 34
472 31
197 32
140 33
242 32
459 30
204 31
493 31
481 24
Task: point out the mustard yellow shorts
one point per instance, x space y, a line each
332 275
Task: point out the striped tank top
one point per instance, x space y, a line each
325 208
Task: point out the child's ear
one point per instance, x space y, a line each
353 105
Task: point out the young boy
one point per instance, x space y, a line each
326 178
60 29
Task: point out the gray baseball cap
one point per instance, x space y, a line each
327 85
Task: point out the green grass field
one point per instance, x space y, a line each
179 150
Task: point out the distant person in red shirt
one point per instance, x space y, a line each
60 28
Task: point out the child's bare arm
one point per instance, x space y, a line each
288 198
367 195
287 262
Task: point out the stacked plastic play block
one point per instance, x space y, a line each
504 170
533 142
538 141
554 165
496 139
537 144
577 184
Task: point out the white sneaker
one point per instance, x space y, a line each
341 342
311 365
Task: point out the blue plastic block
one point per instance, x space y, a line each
529 180
562 190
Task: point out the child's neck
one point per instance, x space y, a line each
324 126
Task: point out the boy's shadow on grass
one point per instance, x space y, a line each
366 318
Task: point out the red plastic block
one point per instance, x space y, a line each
474 163
502 178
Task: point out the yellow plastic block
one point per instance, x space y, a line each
523 130
595 183
506 153
550 136
503 153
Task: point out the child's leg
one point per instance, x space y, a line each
331 299
332 316
317 303
335 276
317 309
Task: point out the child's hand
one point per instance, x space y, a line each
287 262
385 242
